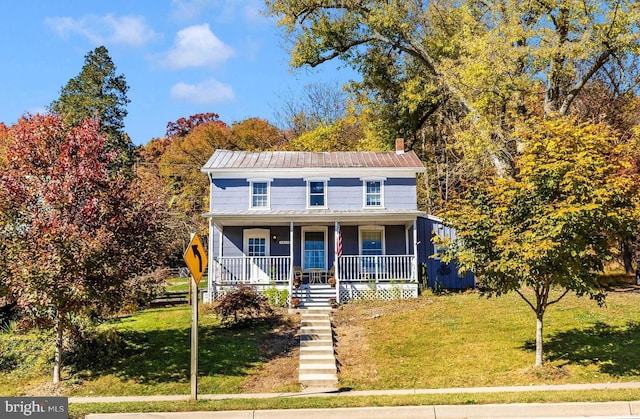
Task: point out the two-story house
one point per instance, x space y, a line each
293 220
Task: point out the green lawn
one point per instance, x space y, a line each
458 340
157 358
159 361
182 284
464 340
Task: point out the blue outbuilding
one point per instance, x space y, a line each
434 272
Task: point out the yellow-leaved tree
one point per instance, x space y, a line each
547 230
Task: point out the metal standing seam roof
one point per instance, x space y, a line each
227 159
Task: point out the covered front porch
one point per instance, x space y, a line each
353 276
344 259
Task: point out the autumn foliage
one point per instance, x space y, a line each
72 233
550 226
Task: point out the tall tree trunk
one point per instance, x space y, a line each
627 257
57 359
539 315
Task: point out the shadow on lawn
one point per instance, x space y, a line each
615 350
161 356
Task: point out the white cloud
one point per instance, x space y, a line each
208 92
109 29
197 46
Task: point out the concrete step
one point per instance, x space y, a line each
316 343
318 380
315 330
308 368
316 323
316 350
318 359
313 316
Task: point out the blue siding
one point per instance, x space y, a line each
400 193
345 193
230 194
291 194
395 240
288 194
232 242
437 272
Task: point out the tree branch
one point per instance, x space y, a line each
417 51
526 300
577 88
558 299
338 51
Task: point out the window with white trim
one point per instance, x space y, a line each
316 193
259 193
373 193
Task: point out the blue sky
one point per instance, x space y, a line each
180 57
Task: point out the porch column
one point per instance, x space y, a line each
291 258
220 238
337 245
415 251
211 272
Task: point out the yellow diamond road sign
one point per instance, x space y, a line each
196 258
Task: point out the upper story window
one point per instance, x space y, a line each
259 193
316 193
373 192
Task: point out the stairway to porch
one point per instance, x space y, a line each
314 295
318 368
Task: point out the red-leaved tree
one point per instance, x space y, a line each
72 234
183 126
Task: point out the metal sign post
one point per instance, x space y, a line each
196 259
194 339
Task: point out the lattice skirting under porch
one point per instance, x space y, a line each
377 292
348 291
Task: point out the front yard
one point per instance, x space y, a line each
458 340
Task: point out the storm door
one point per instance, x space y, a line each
256 250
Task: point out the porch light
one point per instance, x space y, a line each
274 238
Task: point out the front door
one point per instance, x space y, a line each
256 250
314 248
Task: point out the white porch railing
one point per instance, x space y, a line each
358 277
267 269
252 269
382 268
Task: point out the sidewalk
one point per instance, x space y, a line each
554 410
346 393
515 410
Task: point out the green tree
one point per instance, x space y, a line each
342 135
98 92
483 61
550 226
72 235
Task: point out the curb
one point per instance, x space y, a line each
555 410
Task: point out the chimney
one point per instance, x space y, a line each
399 145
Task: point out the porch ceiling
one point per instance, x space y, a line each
314 216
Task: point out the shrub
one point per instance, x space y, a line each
25 354
88 347
276 297
142 289
242 305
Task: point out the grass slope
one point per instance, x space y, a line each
459 340
464 340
